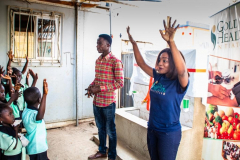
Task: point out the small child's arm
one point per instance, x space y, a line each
14 97
1 73
11 88
16 128
10 58
34 76
1 70
9 83
27 78
41 110
25 66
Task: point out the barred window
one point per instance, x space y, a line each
36 34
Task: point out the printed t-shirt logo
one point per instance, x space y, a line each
158 88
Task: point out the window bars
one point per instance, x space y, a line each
35 33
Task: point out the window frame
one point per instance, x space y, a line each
57 34
37 14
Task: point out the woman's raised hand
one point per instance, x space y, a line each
129 35
169 31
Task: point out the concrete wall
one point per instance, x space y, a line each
132 130
192 140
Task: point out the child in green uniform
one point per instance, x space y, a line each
33 122
14 96
10 145
17 75
19 105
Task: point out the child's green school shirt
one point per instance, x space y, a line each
36 131
20 102
8 141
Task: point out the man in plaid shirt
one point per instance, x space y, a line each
108 78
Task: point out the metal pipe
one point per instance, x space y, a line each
110 18
76 62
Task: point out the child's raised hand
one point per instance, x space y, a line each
26 57
1 70
12 90
9 70
34 76
31 72
45 87
27 75
17 86
6 77
10 55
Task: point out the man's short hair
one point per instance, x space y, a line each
31 95
107 38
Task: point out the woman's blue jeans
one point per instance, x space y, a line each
105 121
163 146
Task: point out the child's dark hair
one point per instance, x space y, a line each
31 95
15 70
3 106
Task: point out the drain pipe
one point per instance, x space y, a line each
76 62
110 18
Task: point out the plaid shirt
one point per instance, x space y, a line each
109 76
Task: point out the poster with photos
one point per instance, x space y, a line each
230 150
222 118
